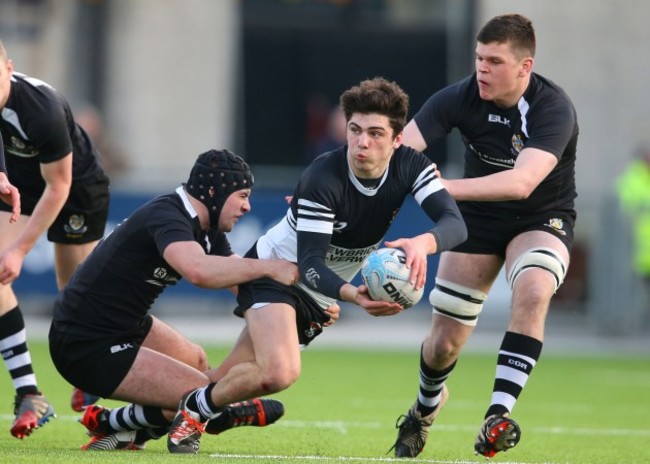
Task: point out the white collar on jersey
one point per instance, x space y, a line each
180 191
367 191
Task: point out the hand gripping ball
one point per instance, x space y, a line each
385 274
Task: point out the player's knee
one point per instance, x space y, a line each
534 294
278 379
539 258
463 304
201 359
442 351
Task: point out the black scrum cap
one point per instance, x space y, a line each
215 175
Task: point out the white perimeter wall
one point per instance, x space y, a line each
171 83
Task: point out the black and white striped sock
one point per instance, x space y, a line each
517 357
431 383
15 352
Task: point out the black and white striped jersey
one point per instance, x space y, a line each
334 221
544 118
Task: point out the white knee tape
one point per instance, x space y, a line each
456 301
539 258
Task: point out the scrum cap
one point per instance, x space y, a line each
215 175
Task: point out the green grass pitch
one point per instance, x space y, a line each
344 407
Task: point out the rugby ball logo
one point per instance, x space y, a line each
385 274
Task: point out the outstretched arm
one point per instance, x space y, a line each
58 178
209 271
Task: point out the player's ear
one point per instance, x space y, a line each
397 141
526 66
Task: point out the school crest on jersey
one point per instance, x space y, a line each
16 142
517 143
18 147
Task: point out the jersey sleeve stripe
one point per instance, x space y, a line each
310 225
425 190
422 183
426 175
315 214
312 205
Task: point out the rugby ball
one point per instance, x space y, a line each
385 274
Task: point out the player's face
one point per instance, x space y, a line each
371 144
6 69
502 76
237 204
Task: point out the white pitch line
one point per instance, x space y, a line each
343 427
285 458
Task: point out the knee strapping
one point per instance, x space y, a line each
456 301
539 258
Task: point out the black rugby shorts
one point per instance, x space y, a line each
96 365
489 233
83 216
310 317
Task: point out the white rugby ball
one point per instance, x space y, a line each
385 274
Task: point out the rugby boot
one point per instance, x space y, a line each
498 433
124 440
32 411
80 400
95 419
185 432
414 429
258 412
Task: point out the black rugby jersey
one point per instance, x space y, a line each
351 220
117 284
544 118
37 127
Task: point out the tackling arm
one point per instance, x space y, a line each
210 271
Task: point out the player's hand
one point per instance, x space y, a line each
417 250
10 195
438 174
284 272
376 308
334 311
11 262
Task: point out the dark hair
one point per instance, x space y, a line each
513 28
380 96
